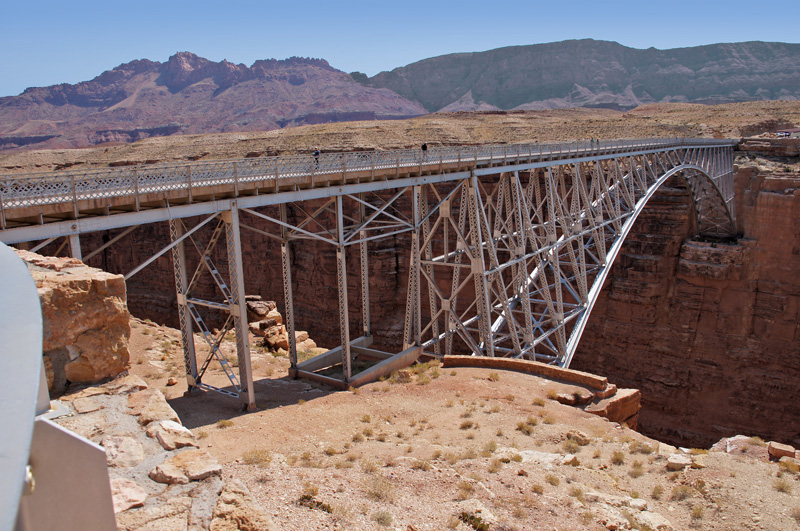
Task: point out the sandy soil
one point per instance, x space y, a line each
656 120
450 443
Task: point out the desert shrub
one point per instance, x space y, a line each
553 480
379 489
493 377
681 492
224 423
258 457
782 485
617 458
658 491
382 518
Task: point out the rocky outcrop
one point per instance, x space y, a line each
85 320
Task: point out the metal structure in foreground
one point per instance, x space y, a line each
508 246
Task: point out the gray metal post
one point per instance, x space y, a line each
287 288
75 246
341 277
238 308
365 325
181 284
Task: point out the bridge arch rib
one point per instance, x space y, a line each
536 246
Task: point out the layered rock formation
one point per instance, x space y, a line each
597 74
708 331
190 94
85 320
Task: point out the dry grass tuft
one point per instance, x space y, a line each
224 423
258 457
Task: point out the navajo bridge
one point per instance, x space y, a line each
509 244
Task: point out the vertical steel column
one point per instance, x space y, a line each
341 276
413 319
479 267
75 246
181 285
238 308
287 288
365 321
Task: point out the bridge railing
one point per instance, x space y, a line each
31 189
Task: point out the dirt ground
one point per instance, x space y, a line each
656 120
457 449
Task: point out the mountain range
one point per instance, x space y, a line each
189 94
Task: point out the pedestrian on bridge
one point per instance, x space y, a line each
316 158
424 150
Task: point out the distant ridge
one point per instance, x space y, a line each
594 73
190 94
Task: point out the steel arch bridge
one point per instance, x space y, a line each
509 245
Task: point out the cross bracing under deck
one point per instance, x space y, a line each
508 246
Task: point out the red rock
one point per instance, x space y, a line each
778 450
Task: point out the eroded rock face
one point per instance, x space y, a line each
85 319
708 331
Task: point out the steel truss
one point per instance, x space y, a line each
511 264
230 302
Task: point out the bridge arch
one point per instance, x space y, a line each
538 244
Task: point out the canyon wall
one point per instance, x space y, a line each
708 331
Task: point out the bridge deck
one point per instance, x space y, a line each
31 200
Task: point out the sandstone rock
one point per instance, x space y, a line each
651 520
778 450
678 461
172 381
275 337
169 474
610 518
86 393
257 309
236 510
793 462
618 408
171 435
276 315
126 385
699 462
579 437
196 464
87 404
126 494
305 346
666 450
123 452
300 336
173 515
638 504
150 405
84 311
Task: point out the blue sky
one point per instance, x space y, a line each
48 42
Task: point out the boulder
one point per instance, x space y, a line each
778 450
621 407
651 520
191 465
275 315
236 509
85 319
678 461
126 494
171 435
125 385
151 405
169 474
173 514
257 309
123 452
86 404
